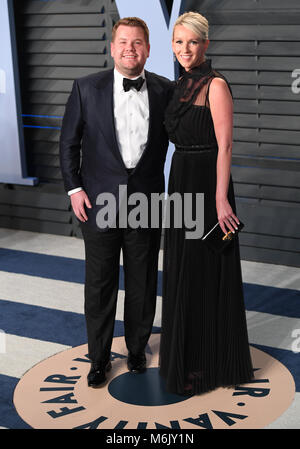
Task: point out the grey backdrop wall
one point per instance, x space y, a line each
255 44
58 41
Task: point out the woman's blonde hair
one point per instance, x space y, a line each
194 22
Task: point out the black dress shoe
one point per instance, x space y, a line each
96 376
136 363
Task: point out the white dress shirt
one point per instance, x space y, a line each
131 112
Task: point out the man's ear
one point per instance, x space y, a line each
112 49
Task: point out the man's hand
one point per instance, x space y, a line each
78 201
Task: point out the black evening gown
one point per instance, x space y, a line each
204 339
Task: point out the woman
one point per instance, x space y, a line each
204 340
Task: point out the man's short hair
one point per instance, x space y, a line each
131 22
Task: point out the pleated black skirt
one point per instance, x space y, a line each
204 339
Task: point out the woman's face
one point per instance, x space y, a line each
188 47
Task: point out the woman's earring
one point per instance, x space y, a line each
174 57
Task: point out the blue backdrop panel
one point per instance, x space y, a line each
13 163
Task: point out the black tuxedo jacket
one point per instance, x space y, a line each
89 152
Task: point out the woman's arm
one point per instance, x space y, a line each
221 107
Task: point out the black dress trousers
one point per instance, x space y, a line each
140 249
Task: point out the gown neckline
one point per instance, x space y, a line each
201 70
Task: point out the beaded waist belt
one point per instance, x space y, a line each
194 148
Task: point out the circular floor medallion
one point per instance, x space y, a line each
54 395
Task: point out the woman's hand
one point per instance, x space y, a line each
226 217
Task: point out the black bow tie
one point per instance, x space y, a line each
137 84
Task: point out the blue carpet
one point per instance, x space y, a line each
287 358
41 323
9 417
277 301
68 328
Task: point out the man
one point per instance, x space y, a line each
113 134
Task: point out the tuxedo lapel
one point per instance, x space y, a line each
105 112
103 102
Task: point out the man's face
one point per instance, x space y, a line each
130 50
